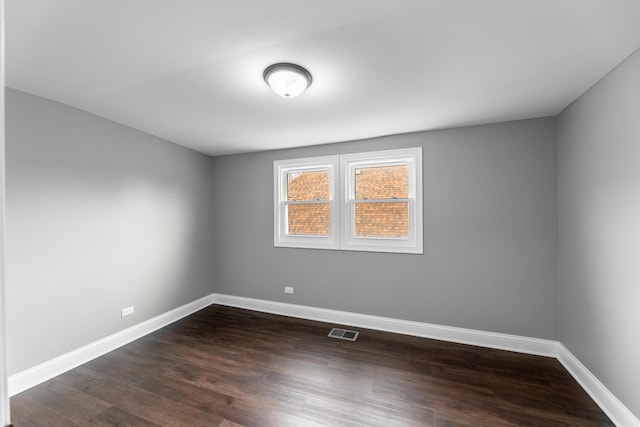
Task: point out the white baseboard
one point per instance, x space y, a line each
515 343
615 410
54 367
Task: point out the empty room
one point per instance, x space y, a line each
320 213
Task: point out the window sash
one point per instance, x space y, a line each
286 216
352 217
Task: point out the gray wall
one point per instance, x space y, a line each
4 393
599 224
99 217
490 254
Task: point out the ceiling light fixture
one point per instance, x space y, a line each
287 80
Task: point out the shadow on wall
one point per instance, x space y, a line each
99 217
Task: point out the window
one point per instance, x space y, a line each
363 201
305 208
383 201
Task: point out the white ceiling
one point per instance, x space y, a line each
190 71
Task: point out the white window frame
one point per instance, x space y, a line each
342 201
412 158
281 170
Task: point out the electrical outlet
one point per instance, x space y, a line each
288 290
127 311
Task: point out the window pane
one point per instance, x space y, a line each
308 219
308 185
385 182
383 219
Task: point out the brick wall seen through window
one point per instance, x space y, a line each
380 219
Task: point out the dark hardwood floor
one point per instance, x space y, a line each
230 367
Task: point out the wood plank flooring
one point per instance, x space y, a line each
228 367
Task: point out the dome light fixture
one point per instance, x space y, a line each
287 80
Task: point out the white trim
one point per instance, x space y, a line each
47 370
540 347
610 405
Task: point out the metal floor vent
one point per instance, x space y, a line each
343 334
